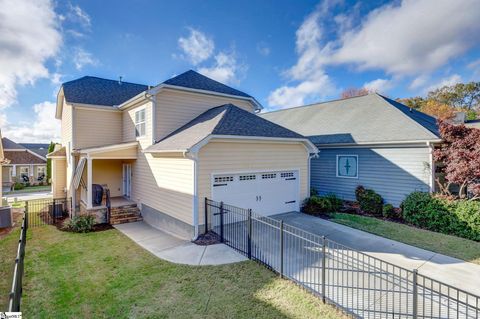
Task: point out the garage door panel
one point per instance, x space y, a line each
266 193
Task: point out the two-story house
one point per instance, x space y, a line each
164 149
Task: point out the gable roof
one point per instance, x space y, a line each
195 80
98 91
58 152
8 144
224 120
38 148
370 118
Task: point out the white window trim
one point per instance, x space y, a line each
28 170
43 168
336 166
143 122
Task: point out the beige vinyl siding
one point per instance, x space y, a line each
128 123
165 184
59 177
66 124
224 157
96 127
6 174
176 108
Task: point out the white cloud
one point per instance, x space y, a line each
82 58
42 128
450 80
263 49
77 14
413 37
226 68
379 85
404 38
29 37
419 81
312 80
197 46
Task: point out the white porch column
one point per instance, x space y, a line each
14 170
89 183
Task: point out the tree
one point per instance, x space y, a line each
460 154
438 110
413 102
51 148
352 92
461 95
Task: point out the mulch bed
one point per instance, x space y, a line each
210 238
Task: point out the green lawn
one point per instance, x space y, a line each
444 244
30 189
106 275
8 252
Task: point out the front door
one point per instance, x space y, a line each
127 179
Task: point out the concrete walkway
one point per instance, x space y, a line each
28 196
176 250
449 270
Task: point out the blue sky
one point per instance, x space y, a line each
285 53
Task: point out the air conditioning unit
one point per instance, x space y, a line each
6 219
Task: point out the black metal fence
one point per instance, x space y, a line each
361 285
37 213
47 211
16 290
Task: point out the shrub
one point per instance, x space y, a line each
82 223
18 186
389 211
313 191
322 204
460 218
369 200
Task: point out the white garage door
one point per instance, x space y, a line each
266 193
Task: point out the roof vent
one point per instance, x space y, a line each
120 80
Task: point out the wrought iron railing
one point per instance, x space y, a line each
359 284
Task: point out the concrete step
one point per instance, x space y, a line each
125 220
125 215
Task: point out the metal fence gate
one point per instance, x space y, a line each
361 285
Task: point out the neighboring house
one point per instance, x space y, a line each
473 123
368 140
2 162
167 148
24 165
38 148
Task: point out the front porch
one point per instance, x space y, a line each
102 183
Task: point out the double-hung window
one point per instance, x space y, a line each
24 171
140 123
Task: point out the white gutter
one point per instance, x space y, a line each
409 142
432 167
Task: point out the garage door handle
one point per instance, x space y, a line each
215 185
291 202
290 179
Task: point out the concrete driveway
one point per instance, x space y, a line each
449 270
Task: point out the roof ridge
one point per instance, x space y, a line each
228 109
97 77
318 103
383 99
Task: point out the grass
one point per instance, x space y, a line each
8 252
457 247
30 189
106 275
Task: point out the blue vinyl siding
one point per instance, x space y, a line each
391 172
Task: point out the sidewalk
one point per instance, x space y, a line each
176 250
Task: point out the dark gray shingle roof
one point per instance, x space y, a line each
363 119
195 80
227 119
39 148
8 144
98 91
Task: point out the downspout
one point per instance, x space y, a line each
310 157
195 196
432 167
